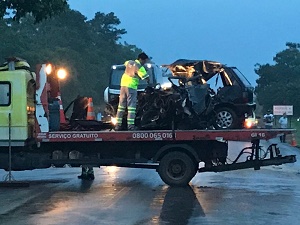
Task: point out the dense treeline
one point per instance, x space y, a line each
87 48
40 10
279 84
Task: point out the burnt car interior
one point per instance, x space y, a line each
233 92
206 70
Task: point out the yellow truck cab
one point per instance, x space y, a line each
17 103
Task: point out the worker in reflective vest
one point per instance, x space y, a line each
134 71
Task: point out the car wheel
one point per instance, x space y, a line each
226 118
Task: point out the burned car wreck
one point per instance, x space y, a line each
233 99
191 102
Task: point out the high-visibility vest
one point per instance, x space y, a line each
134 71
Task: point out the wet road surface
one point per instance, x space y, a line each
138 196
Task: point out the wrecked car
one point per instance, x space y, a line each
192 102
178 107
233 100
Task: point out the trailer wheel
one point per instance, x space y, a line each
177 169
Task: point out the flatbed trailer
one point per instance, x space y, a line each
176 155
34 133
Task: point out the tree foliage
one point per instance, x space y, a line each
105 25
38 9
278 84
87 49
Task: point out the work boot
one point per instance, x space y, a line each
83 177
84 173
91 177
90 173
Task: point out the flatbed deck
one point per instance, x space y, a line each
162 135
175 154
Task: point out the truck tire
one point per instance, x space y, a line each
177 169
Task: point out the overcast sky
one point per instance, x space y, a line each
238 33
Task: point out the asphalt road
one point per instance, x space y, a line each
138 196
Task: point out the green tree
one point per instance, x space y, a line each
38 9
278 84
87 49
105 25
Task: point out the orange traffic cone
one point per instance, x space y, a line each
62 117
90 110
293 143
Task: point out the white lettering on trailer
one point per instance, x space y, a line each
260 135
60 136
152 135
74 136
85 136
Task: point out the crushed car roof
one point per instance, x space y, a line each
186 68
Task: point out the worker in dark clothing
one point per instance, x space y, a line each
134 72
87 173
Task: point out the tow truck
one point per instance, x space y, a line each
34 133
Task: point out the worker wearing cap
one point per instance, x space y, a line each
134 72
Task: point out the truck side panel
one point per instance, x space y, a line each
17 102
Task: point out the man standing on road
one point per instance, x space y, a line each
134 71
283 121
268 119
